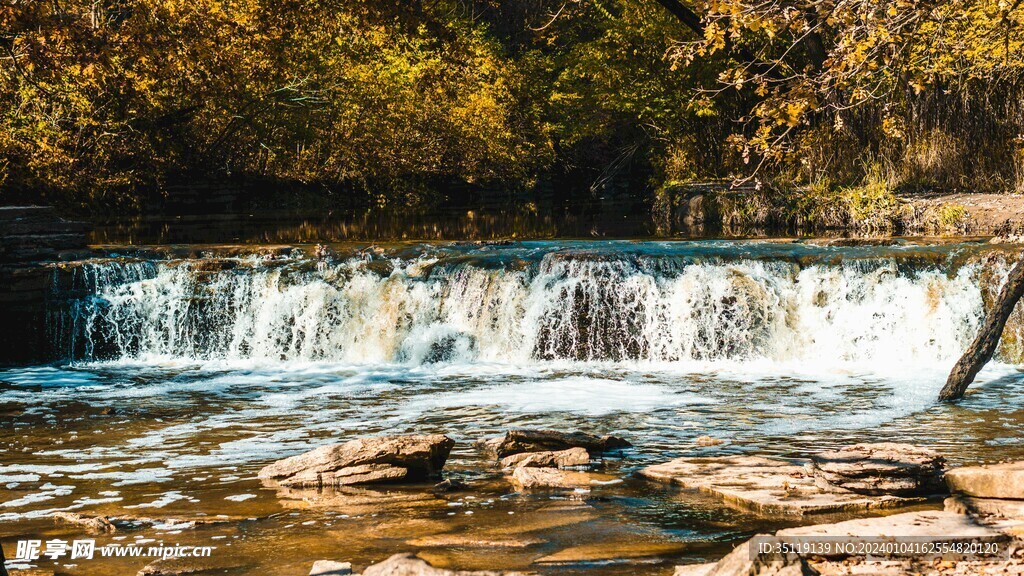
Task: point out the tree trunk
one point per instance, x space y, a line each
984 346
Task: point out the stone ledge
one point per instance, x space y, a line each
766 486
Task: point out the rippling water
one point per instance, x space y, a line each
215 366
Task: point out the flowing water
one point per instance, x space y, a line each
185 375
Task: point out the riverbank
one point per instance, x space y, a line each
719 208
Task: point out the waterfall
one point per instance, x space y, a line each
578 305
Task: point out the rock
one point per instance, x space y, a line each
708 441
882 468
917 526
516 441
560 459
364 461
740 562
450 485
980 507
937 524
188 566
411 565
330 568
765 485
694 569
92 524
524 478
989 481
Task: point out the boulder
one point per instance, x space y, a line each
330 568
517 441
364 461
767 486
990 481
884 468
412 565
560 459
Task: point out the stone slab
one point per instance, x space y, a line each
928 523
990 481
767 486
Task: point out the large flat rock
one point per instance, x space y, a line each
989 481
767 486
929 524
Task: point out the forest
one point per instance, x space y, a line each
830 105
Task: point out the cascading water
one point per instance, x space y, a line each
519 305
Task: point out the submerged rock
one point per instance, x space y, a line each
989 481
474 541
765 485
194 566
412 565
616 551
364 461
561 459
880 469
705 441
518 441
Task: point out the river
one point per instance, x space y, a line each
184 375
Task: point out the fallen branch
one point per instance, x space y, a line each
984 346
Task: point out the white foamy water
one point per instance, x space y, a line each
563 305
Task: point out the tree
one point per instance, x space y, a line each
984 346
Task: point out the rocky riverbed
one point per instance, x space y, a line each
881 493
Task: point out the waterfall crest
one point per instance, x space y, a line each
575 305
